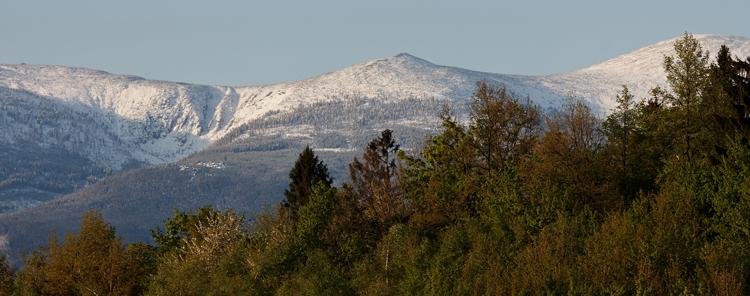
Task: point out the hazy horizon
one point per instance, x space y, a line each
261 42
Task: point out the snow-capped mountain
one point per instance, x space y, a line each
65 128
640 70
159 121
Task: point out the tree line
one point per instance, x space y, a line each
654 199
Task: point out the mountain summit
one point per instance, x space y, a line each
160 121
67 128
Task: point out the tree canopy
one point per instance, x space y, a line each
652 200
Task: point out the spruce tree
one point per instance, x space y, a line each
306 173
730 80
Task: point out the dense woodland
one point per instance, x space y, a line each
652 200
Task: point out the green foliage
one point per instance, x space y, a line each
376 184
307 172
7 278
653 200
314 217
730 99
179 227
503 129
94 261
208 260
442 183
349 235
568 171
318 276
624 131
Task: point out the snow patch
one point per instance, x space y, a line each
161 121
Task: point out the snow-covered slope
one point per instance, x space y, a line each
159 121
640 70
154 121
63 128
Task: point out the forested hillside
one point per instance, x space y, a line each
652 200
75 139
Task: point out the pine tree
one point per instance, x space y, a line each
307 172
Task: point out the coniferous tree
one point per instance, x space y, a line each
314 216
307 172
730 80
31 279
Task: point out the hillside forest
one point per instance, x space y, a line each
654 199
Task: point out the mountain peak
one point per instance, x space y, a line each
406 57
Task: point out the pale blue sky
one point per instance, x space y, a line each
257 42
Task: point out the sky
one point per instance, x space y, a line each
226 42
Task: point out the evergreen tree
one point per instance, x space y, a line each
730 80
307 172
31 278
314 217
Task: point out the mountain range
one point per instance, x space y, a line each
74 139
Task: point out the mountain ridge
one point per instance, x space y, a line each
172 133
170 120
